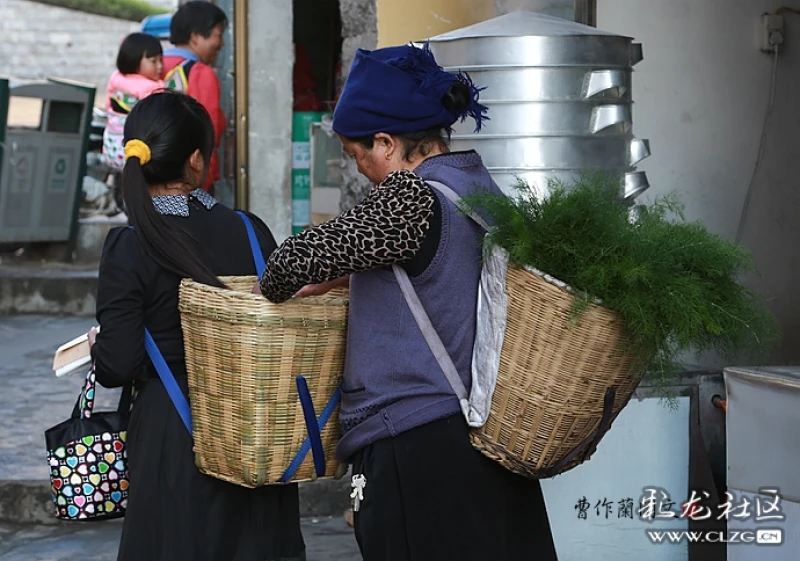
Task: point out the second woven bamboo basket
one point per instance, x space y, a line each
554 379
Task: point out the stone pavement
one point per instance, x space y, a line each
32 398
327 539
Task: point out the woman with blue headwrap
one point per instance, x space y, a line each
422 492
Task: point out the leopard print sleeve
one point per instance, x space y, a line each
387 227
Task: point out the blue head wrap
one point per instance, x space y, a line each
399 90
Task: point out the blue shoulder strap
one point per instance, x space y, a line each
255 248
314 426
174 391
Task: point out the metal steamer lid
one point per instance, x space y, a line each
529 39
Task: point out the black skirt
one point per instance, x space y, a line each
176 513
430 496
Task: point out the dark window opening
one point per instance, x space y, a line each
318 46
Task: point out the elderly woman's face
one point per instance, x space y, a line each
377 162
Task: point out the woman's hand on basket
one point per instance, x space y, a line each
323 287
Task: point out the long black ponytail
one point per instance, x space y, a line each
173 126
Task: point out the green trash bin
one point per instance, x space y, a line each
44 159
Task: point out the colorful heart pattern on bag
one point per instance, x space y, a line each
89 477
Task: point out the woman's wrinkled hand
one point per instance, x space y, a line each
322 288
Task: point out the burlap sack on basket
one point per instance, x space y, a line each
249 361
545 390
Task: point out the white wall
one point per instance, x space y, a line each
621 470
700 97
41 41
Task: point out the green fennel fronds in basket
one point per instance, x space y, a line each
676 286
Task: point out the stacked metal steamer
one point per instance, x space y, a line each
559 98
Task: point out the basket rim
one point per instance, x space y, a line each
229 293
561 285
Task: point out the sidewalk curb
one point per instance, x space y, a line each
29 502
26 502
28 290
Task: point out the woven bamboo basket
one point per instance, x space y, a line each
243 354
556 380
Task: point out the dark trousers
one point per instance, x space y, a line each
430 496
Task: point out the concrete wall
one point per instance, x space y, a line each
701 94
270 57
40 41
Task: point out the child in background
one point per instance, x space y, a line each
140 63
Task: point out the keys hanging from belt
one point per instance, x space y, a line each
358 482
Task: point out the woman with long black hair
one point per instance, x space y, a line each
179 231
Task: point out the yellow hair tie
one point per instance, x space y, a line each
137 149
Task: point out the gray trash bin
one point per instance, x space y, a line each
763 463
44 160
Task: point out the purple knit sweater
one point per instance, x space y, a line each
392 382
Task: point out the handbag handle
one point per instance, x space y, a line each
84 406
255 248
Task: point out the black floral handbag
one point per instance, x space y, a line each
87 458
